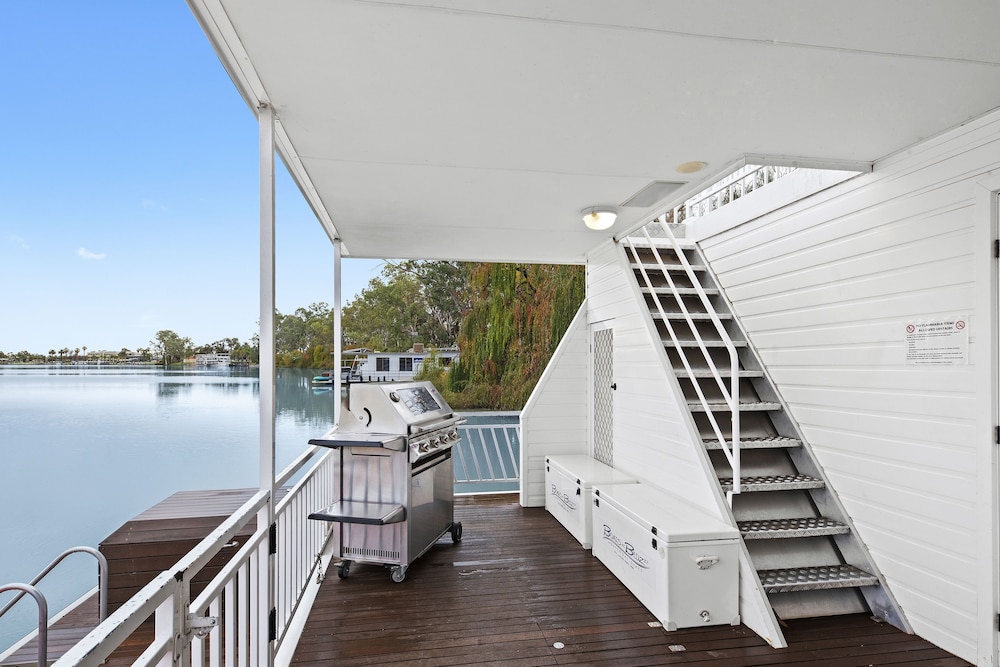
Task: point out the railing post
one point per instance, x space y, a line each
171 624
265 517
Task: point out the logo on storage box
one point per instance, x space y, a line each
563 499
625 550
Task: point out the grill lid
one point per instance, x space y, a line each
394 407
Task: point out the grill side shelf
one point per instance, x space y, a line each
352 511
392 441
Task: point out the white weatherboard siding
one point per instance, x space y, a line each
824 288
655 440
554 419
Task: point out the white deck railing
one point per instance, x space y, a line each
488 457
230 622
727 190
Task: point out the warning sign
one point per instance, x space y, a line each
942 341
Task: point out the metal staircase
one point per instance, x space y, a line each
806 557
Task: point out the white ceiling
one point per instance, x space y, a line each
479 129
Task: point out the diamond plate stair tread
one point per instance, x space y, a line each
757 406
758 443
708 343
697 317
823 577
660 242
683 291
653 266
723 372
773 529
774 483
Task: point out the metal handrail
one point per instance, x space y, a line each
731 449
43 617
102 579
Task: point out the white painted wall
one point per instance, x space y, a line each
825 288
655 439
554 419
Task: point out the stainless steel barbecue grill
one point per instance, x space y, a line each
397 484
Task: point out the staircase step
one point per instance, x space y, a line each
708 343
815 578
640 243
699 317
682 291
671 266
774 529
721 406
773 483
723 372
776 442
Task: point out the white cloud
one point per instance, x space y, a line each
19 241
86 254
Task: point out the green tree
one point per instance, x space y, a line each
518 316
444 293
388 316
170 346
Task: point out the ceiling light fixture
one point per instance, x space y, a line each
599 217
691 167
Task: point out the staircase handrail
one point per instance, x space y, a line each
732 394
43 617
102 579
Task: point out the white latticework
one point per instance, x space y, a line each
604 395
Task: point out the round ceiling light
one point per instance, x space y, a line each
599 217
691 167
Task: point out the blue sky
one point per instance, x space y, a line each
128 185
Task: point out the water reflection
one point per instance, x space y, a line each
86 448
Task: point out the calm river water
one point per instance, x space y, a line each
84 449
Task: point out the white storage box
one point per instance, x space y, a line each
568 480
678 560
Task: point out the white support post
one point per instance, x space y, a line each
337 345
265 518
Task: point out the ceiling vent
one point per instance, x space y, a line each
652 194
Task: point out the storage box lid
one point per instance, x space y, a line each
587 470
674 519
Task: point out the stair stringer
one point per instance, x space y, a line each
879 598
755 608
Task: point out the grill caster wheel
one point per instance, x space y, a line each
344 569
456 532
398 574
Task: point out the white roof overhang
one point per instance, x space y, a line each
479 129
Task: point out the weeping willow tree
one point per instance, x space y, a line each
517 316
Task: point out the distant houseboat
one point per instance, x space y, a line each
396 366
212 359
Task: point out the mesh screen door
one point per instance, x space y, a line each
604 395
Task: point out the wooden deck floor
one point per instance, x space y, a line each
518 585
